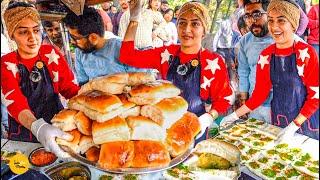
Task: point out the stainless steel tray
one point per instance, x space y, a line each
175 161
54 172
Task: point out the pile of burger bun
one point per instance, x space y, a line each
128 120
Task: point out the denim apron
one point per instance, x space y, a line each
289 95
187 78
44 103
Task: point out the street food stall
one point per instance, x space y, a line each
134 126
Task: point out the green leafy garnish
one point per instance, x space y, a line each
246 139
252 120
291 173
272 152
130 177
305 157
280 146
299 163
277 166
281 178
313 169
173 173
254 165
105 177
269 172
252 151
213 132
263 160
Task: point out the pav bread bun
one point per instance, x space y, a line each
115 129
153 92
143 128
74 144
85 143
166 112
221 149
83 123
93 153
150 154
64 120
118 154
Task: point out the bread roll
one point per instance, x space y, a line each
93 154
152 93
150 154
115 129
85 143
191 120
136 78
166 112
64 120
99 101
135 111
111 104
117 154
178 140
223 149
83 123
74 144
143 128
111 84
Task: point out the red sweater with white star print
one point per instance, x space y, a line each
214 78
308 68
60 73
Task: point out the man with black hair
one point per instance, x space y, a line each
54 36
251 46
94 56
164 6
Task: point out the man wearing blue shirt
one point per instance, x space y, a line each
95 56
251 46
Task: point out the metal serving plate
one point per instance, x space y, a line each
54 172
175 161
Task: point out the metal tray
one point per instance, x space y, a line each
54 172
175 161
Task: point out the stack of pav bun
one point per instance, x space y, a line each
128 120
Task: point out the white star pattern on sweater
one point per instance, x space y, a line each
53 57
75 81
300 70
55 76
165 56
206 82
12 67
263 60
303 54
316 90
212 65
4 99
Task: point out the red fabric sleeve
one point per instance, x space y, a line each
11 95
313 18
150 58
263 82
220 89
310 79
67 86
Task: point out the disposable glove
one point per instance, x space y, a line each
46 135
287 133
226 121
135 10
205 120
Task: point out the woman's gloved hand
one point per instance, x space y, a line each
226 121
287 133
205 120
46 134
135 10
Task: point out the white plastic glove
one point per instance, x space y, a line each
226 121
205 120
287 133
135 10
46 135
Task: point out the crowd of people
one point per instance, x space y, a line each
263 62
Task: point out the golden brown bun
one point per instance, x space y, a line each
99 101
136 78
93 154
85 143
191 120
179 137
74 144
118 154
111 84
166 112
143 128
115 129
135 111
223 149
153 92
125 103
64 120
150 154
83 123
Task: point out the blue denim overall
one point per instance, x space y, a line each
189 85
42 100
289 95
